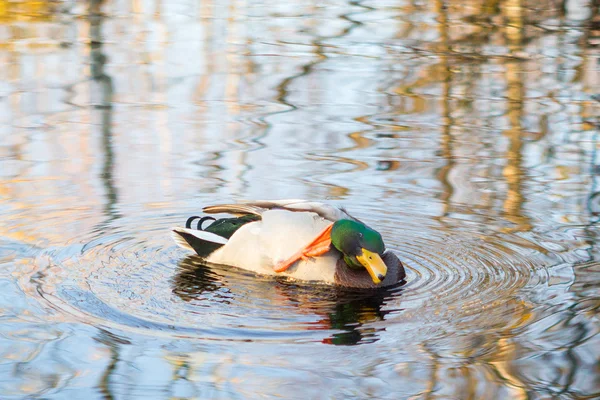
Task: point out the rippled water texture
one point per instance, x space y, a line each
465 131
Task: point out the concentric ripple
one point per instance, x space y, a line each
127 278
459 277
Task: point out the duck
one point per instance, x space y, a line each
298 239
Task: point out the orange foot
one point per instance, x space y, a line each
319 246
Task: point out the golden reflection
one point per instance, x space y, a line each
360 140
27 11
513 171
433 382
513 25
446 123
506 351
495 351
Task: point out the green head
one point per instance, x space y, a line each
361 247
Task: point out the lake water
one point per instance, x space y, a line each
466 132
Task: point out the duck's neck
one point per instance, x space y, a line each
352 262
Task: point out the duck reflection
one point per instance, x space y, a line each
194 279
348 312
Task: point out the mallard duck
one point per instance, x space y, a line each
300 239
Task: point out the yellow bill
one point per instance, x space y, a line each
374 265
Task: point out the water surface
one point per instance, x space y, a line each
466 132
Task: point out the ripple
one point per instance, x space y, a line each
131 279
456 276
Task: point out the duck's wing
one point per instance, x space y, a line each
206 240
258 207
196 240
261 245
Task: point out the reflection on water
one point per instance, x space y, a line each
467 132
336 308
